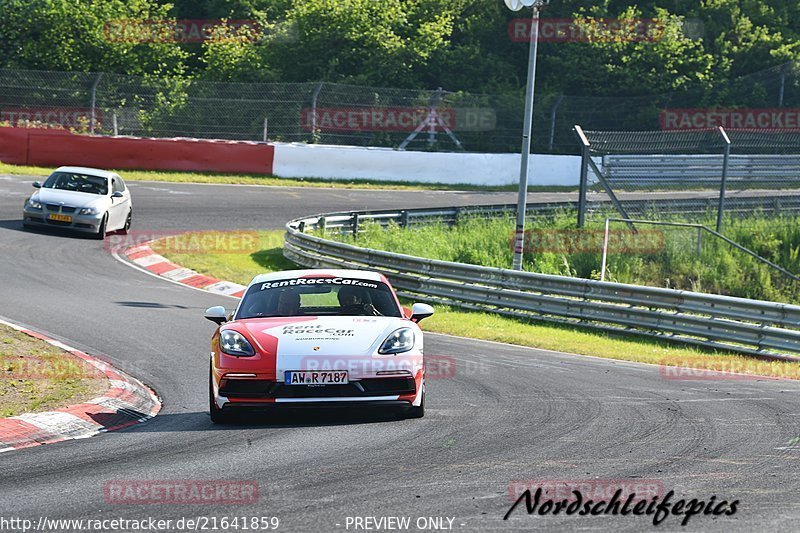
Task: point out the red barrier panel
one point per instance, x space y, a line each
55 148
14 146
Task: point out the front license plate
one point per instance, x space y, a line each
61 218
306 377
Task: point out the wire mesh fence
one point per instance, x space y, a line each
716 173
438 119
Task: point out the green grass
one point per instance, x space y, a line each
35 376
657 256
242 267
259 179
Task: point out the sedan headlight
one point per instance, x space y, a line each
233 343
88 211
401 340
33 204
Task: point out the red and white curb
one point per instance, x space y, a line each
126 402
144 257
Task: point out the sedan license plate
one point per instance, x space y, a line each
60 218
316 377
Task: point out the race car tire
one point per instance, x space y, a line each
127 227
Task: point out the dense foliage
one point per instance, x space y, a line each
456 44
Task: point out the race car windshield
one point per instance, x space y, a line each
68 181
317 297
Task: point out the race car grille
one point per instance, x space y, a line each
53 207
59 223
67 209
257 388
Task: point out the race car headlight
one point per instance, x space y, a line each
399 341
233 343
33 204
88 211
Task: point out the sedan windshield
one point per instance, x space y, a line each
318 296
69 181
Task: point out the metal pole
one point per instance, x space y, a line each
266 128
519 236
699 243
584 175
314 111
723 183
605 253
783 87
114 121
94 103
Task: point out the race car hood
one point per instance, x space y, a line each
72 198
321 336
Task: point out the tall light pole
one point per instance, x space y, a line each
519 235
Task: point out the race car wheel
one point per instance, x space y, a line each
217 416
101 229
417 411
127 227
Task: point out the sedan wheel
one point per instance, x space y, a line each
127 227
101 230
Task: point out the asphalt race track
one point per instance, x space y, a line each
506 414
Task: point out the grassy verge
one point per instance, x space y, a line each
259 179
657 256
39 377
241 267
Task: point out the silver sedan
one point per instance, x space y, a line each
82 199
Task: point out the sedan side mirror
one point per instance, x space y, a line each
217 314
420 312
117 194
37 184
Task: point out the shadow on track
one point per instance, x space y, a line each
285 418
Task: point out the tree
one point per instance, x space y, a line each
85 35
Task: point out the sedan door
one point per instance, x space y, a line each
118 212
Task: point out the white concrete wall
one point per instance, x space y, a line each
295 160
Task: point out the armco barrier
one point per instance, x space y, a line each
736 324
42 147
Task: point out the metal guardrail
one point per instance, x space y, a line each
735 324
646 171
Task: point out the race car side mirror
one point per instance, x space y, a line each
420 312
217 314
37 184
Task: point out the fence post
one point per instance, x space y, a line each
725 160
584 175
114 121
605 253
266 128
699 243
314 98
93 103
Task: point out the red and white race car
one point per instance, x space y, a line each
317 338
